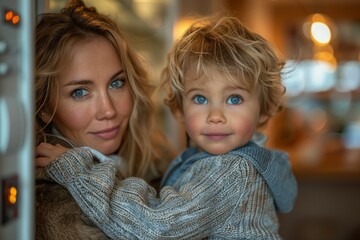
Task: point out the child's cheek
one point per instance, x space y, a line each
191 125
246 130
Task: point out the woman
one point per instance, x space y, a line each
91 90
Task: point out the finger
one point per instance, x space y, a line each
42 161
45 145
46 149
42 150
61 148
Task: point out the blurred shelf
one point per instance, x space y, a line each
338 166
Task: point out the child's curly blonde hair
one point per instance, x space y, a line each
224 43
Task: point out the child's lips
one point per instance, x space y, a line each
216 136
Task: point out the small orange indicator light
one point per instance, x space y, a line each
9 15
12 18
12 195
16 20
13 190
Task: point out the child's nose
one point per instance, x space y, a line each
216 116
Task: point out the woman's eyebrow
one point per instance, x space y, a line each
117 74
79 82
89 82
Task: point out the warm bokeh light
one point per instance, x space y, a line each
326 57
181 26
320 33
319 28
318 119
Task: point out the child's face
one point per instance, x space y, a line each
218 115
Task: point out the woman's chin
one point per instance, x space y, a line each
107 150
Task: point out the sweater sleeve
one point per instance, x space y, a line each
130 209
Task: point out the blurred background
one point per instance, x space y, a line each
320 124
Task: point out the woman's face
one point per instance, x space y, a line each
94 104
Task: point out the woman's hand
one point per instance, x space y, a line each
47 153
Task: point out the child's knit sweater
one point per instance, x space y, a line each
228 196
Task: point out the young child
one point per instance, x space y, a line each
225 82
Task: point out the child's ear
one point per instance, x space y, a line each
262 119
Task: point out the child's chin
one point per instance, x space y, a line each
218 151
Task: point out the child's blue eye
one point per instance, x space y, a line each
234 100
79 93
198 99
117 83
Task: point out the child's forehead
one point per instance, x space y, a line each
197 70
210 74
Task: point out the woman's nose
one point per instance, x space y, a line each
106 109
216 115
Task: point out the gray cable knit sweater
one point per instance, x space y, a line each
226 196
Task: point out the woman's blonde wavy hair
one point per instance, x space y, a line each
57 34
224 43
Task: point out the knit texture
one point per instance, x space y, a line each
58 216
274 166
219 197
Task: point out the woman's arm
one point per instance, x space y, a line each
131 208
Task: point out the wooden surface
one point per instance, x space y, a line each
341 165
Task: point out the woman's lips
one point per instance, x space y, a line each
107 134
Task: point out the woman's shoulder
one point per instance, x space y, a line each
54 203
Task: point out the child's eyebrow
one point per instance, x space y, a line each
192 90
237 88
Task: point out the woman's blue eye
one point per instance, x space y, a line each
200 99
117 83
234 100
79 93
